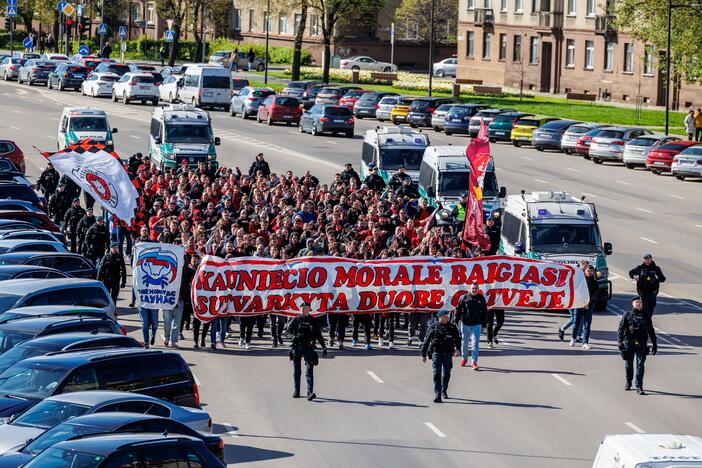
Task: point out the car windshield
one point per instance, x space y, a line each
444 107
62 458
486 114
646 142
554 124
369 97
611 134
388 100
504 118
420 104
297 85
528 122
337 111
454 183
7 301
216 82
31 380
460 111
144 79
392 158
57 434
48 413
88 124
262 93
118 69
286 102
673 147
354 93
19 353
564 238
184 133
594 132
578 130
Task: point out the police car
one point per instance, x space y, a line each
80 123
388 148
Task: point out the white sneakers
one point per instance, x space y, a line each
241 342
380 342
586 346
391 345
572 342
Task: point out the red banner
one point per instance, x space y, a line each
478 154
253 285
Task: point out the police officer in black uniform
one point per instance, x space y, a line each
48 180
96 240
374 181
443 343
112 271
304 332
70 222
635 328
407 190
398 179
59 203
260 164
350 173
83 226
648 277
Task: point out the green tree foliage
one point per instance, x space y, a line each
414 15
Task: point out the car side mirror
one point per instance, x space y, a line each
217 141
608 248
157 140
115 130
503 192
519 248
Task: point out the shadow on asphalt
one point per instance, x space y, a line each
468 401
682 395
244 454
392 404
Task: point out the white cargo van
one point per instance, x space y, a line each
207 86
649 451
388 148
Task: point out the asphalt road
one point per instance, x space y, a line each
536 402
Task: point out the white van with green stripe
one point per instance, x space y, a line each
80 123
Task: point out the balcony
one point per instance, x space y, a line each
483 17
605 24
550 21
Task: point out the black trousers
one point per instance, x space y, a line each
388 320
648 301
278 326
196 331
640 356
246 326
113 288
187 315
337 327
441 364
261 324
309 355
364 319
421 320
74 242
492 330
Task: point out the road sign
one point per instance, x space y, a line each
80 10
28 43
68 9
11 11
122 31
169 35
11 2
60 5
83 49
102 29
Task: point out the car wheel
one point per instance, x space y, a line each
243 114
154 102
269 121
300 127
314 130
492 140
680 177
349 134
380 120
170 97
48 83
629 166
82 91
538 148
114 97
387 70
258 118
448 133
596 160
413 125
656 171
92 93
435 128
30 82
5 76
586 156
260 67
568 152
125 100
226 108
516 144
232 112
440 73
192 101
60 85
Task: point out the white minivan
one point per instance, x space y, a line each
207 86
649 451
78 123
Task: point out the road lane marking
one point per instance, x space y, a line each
648 240
14 128
434 429
635 427
53 118
499 169
528 158
698 225
374 377
293 132
135 137
574 169
689 304
622 182
16 111
562 380
676 196
332 142
540 180
644 210
231 432
587 194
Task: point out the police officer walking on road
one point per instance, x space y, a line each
635 328
648 277
96 239
70 222
112 271
443 343
304 332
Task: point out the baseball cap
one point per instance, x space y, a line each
648 255
441 313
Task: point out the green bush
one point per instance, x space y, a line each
275 54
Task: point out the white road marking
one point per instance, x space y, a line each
135 137
332 142
540 180
434 429
21 91
648 240
14 128
16 111
498 168
230 430
562 380
644 210
53 118
698 225
572 169
587 194
374 377
676 196
635 427
689 304
528 158
622 182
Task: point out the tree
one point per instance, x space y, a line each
175 10
414 15
299 35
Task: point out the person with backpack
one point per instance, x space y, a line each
443 343
648 277
304 332
635 329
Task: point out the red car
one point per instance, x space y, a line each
582 146
89 62
38 219
350 98
277 108
10 150
660 159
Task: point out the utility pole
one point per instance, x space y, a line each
667 68
392 44
431 44
102 20
268 32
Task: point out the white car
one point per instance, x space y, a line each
59 57
99 84
447 67
136 87
170 87
688 163
363 62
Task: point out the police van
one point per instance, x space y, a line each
207 86
649 451
182 132
388 148
443 178
78 123
557 227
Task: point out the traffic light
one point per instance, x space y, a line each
84 24
9 24
69 22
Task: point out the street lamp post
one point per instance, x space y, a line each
431 44
268 32
102 20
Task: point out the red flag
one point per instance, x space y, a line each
478 154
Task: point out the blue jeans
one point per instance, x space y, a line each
149 322
471 331
122 235
640 355
218 325
171 323
570 322
583 320
441 364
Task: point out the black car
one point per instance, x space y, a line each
97 424
67 75
122 450
62 343
310 95
35 71
421 109
152 372
9 272
74 265
15 191
112 67
368 103
327 118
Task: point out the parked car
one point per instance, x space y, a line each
66 75
368 103
297 88
385 106
363 62
141 68
152 372
118 69
500 129
239 83
10 66
19 205
570 137
636 150
323 118
582 146
310 95
522 131
10 272
35 71
458 117
660 160
55 57
549 135
39 219
484 115
246 101
57 291
29 245
223 58
401 108
99 84
10 150
438 117
421 109
688 163
142 449
276 108
446 67
74 265
52 311
29 55
608 145
88 61
136 87
168 91
350 98
332 94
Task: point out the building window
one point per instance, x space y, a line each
503 46
590 8
237 19
571 8
470 44
252 20
503 5
488 4
534 6
648 60
471 4
519 6
609 56
533 49
517 50
628 57
150 13
486 45
282 24
314 25
136 12
589 55
266 22
570 53
411 30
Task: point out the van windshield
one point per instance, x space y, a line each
216 81
31 380
392 158
455 183
564 238
88 124
184 133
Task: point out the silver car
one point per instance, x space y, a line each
688 163
246 101
636 150
385 106
447 67
609 144
10 67
572 135
57 409
485 115
367 63
438 116
223 58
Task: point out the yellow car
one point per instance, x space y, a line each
522 129
399 112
